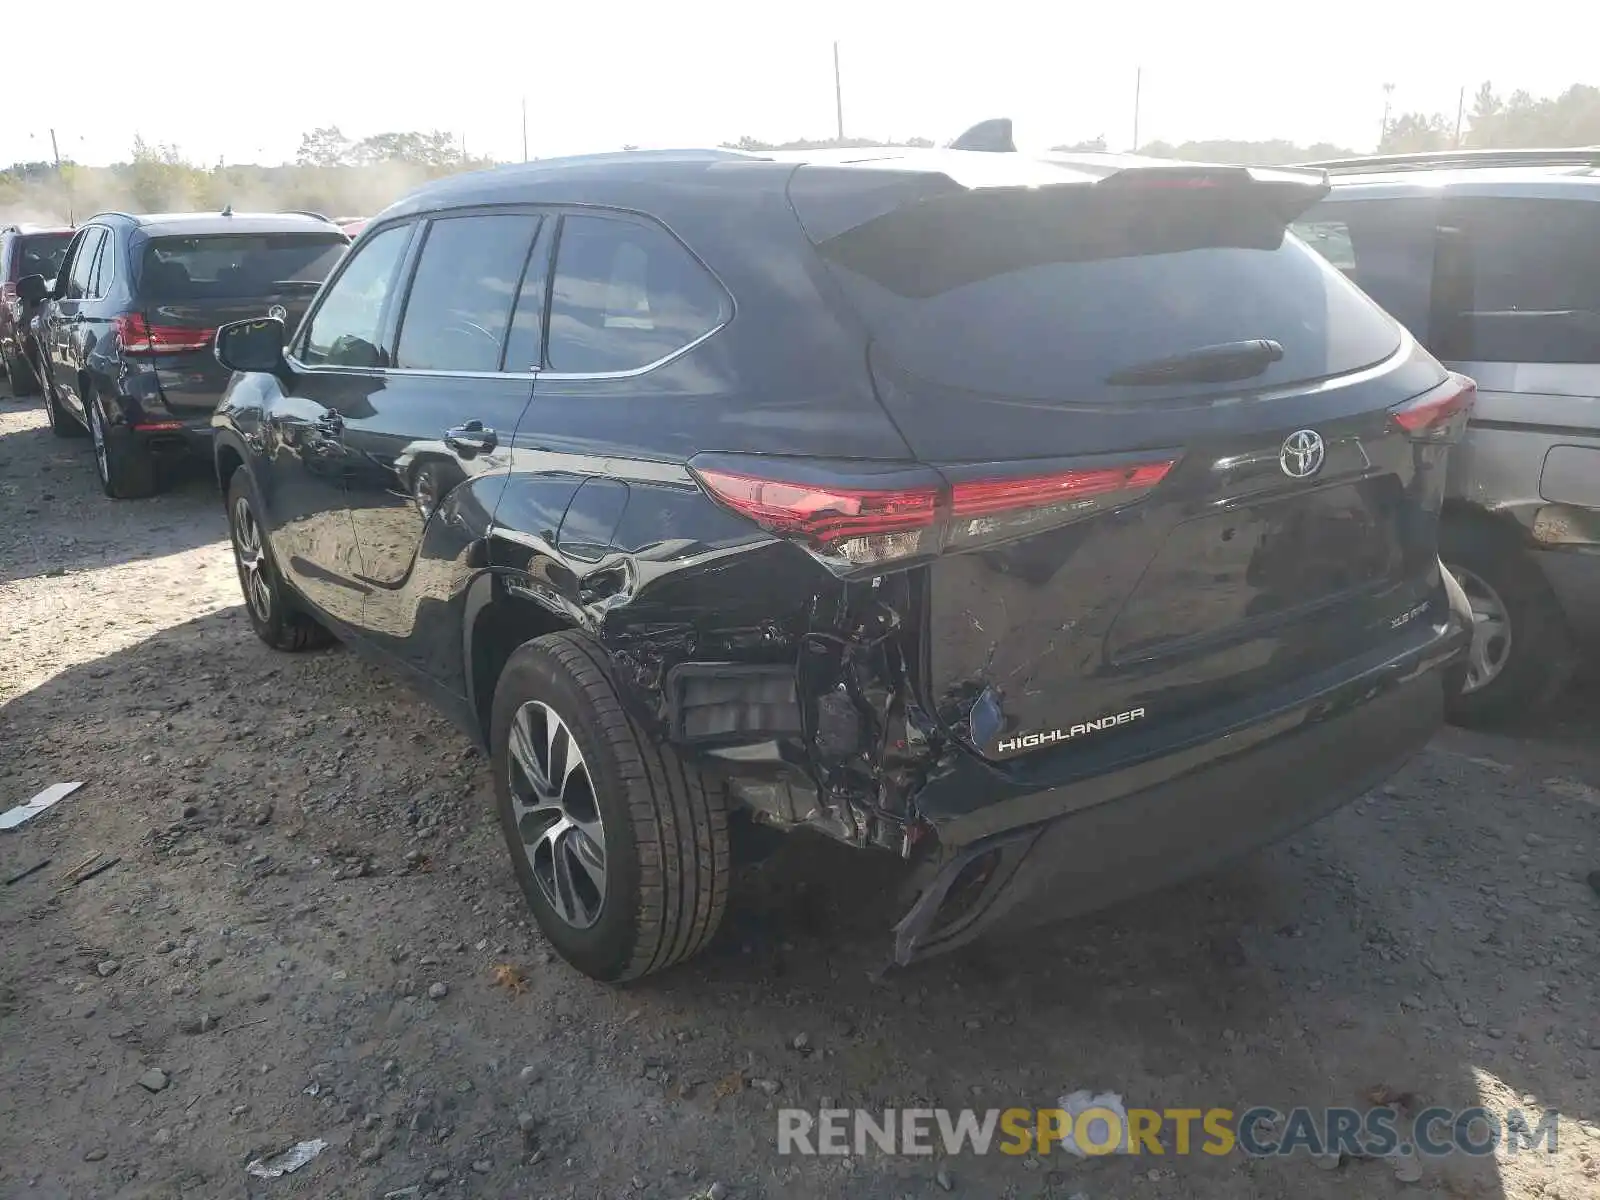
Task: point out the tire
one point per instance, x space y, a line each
23 381
62 423
126 471
274 615
660 821
1510 677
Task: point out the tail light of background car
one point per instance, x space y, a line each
852 527
138 336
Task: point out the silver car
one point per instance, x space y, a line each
1492 259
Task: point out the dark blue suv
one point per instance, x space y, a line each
1063 525
124 336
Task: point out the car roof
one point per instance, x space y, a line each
193 224
23 229
557 179
1530 174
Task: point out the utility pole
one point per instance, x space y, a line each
524 129
61 177
1461 110
1383 130
1138 87
838 92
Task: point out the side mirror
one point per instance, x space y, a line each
253 345
32 288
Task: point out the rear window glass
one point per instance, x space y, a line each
41 254
1044 295
238 266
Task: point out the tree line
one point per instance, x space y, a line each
343 176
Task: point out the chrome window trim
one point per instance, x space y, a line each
379 372
560 376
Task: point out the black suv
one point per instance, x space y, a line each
24 250
125 335
1062 525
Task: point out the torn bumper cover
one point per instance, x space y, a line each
1048 855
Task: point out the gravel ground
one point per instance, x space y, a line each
312 932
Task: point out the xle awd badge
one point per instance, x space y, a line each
1302 454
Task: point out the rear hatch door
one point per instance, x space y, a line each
1175 479
188 286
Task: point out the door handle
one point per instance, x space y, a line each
471 438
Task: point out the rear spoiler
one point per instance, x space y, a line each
1285 191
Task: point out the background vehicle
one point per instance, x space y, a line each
710 487
24 250
1492 259
125 334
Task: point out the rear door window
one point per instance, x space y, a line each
626 294
1519 281
83 260
237 266
1386 247
347 328
1046 293
462 292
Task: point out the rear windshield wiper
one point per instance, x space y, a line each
1222 363
304 285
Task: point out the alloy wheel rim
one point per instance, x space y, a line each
553 800
1491 630
251 557
97 434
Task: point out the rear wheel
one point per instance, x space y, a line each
620 845
62 423
273 613
1521 651
21 376
126 471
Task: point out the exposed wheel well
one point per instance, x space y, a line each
499 628
1462 512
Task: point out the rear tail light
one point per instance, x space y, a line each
1441 414
852 527
988 496
848 525
138 336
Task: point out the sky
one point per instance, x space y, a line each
240 83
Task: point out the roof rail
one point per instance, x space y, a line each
1574 156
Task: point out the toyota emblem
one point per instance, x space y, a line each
279 312
1302 454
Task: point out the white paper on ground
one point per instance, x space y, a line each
290 1161
1100 1132
11 818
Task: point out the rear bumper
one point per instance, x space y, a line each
166 437
1151 824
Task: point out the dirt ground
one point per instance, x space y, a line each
300 936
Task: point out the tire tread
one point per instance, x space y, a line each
679 818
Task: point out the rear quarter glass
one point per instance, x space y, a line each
1043 296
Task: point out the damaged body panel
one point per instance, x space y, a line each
872 579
